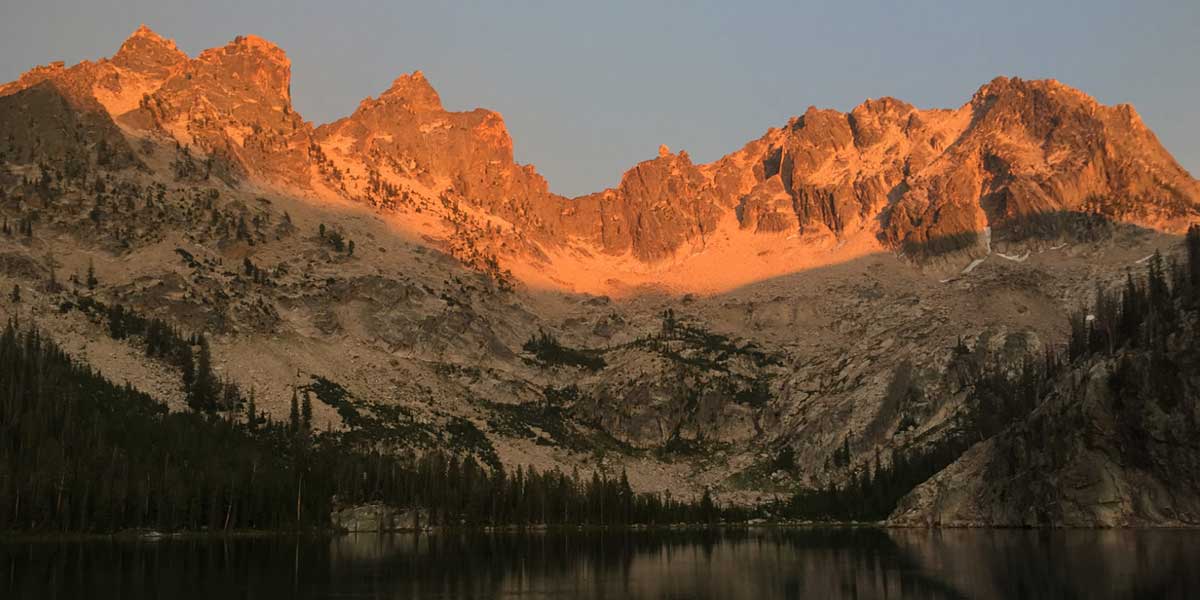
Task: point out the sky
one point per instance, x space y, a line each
588 89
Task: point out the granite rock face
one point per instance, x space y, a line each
1096 453
379 517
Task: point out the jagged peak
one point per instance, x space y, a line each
253 45
148 53
415 91
881 105
145 46
1011 87
144 31
256 43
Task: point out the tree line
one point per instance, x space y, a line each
189 353
81 453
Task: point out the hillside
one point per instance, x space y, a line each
771 321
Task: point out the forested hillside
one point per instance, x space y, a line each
1111 439
82 454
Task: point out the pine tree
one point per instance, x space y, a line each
294 414
1159 291
1133 310
1192 241
1078 345
187 368
91 276
52 285
306 413
203 397
1106 318
708 508
251 412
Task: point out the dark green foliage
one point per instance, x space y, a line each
997 397
162 340
386 427
873 495
551 423
203 393
465 437
252 418
336 240
693 344
1192 243
785 460
333 394
547 350
306 413
294 415
841 456
757 395
1149 381
708 508
1143 315
82 454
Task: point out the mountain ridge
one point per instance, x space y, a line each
905 176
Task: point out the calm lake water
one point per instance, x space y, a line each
768 563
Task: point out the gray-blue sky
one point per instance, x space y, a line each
589 88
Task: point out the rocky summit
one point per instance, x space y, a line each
842 304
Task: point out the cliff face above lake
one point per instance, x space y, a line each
789 316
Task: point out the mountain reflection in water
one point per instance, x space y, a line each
765 563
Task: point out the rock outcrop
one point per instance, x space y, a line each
378 517
1112 445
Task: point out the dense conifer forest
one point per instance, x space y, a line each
81 454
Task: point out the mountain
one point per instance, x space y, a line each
782 318
885 176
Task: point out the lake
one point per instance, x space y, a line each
735 564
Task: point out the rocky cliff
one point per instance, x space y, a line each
915 179
1113 444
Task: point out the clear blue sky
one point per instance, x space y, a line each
589 88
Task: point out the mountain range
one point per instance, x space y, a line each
785 317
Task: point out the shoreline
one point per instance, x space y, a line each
150 535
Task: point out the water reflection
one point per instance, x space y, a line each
770 563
